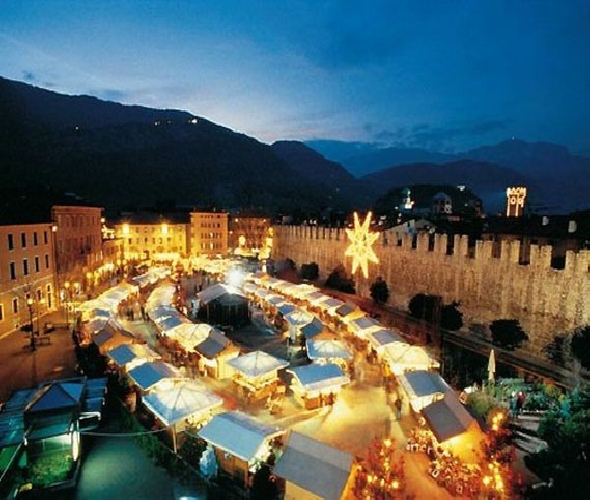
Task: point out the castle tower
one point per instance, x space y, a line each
515 201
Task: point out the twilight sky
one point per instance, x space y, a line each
444 75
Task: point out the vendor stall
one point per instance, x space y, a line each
325 351
379 339
128 356
214 353
190 335
403 357
148 375
313 469
241 443
422 388
256 374
316 385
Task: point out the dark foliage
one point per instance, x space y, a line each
264 486
426 307
450 317
310 272
507 333
338 280
556 350
380 291
581 346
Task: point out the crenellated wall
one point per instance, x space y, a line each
489 282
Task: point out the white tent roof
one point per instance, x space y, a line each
274 299
257 363
149 374
126 353
162 311
401 356
286 308
365 323
381 338
329 303
299 317
316 377
184 399
327 349
171 322
239 434
215 291
190 334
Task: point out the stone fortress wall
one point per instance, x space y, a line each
489 282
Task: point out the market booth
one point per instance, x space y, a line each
147 376
110 337
422 388
214 353
315 385
379 339
402 357
256 374
324 351
240 444
453 428
313 470
182 404
128 356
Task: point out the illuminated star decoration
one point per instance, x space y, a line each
361 242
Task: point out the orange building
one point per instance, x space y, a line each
209 233
248 234
27 289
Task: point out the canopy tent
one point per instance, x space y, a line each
348 311
274 299
240 435
312 329
112 335
378 339
148 375
130 355
215 291
422 388
170 322
402 357
185 399
297 319
162 311
316 377
327 350
331 467
190 335
452 425
257 363
215 343
362 326
329 304
163 295
286 308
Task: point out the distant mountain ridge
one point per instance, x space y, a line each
130 156
557 180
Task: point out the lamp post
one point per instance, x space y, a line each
67 299
30 306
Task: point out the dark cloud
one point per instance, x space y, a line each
439 138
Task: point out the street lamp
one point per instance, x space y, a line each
30 306
67 298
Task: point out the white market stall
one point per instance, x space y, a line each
241 443
314 384
422 388
326 351
402 357
128 356
256 373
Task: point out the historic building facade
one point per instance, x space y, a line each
209 234
27 286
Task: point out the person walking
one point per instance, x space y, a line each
398 408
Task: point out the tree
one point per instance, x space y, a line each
580 346
339 281
567 433
507 333
380 291
426 307
310 272
450 317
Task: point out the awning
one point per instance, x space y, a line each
239 434
316 377
257 363
181 401
149 374
447 418
314 466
